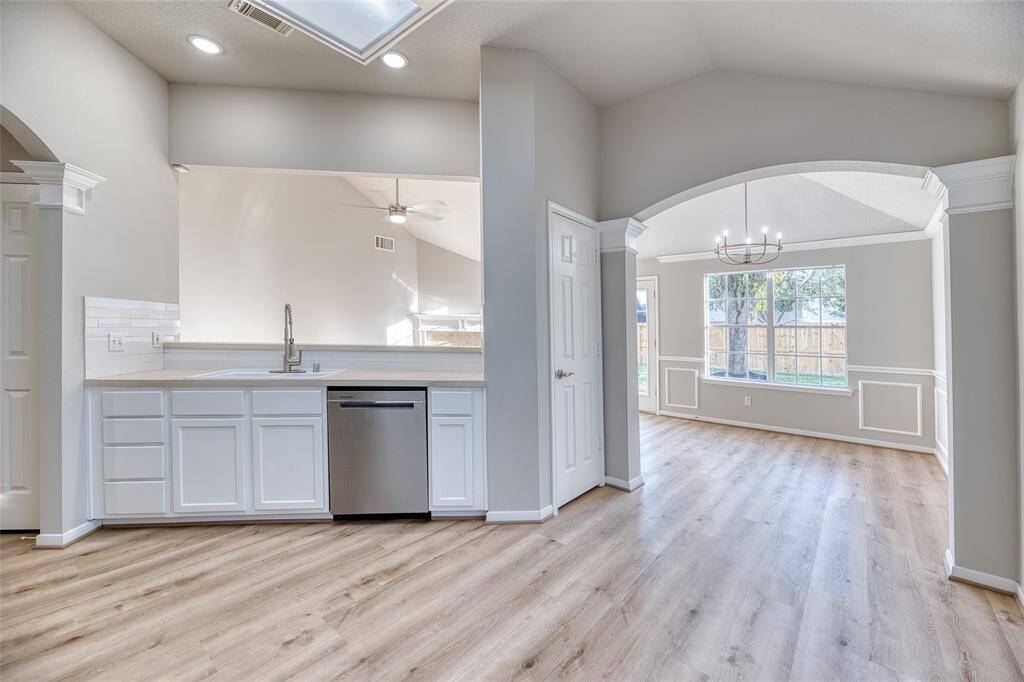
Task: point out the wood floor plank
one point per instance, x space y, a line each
747 555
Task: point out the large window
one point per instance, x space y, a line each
777 326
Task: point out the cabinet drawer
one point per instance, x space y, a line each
133 431
207 403
287 402
125 463
134 497
133 404
451 403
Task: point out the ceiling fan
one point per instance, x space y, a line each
398 212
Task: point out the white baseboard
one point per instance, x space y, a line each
801 432
458 514
629 486
940 454
62 540
981 579
527 516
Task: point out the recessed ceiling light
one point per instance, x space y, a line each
205 45
396 60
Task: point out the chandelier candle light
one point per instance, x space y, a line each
747 252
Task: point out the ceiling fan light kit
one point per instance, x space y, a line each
398 213
748 252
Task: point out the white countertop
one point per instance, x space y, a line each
185 378
241 345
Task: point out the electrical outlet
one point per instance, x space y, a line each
746 401
156 339
115 342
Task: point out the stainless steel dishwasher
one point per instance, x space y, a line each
377 452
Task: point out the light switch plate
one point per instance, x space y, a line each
115 342
156 339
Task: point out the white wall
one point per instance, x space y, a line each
96 106
539 141
889 311
253 241
720 123
447 282
294 129
1017 124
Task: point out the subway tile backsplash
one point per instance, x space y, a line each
262 359
138 321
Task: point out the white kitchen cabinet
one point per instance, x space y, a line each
208 465
458 475
288 463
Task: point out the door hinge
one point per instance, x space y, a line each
598 349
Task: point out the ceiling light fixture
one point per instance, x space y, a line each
396 60
747 252
205 45
396 214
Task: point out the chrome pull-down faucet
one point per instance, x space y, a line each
290 361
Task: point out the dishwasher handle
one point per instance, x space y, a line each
373 404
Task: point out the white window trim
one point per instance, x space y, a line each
770 330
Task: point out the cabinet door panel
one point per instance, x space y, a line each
208 465
452 462
288 462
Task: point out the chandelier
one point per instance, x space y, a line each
748 252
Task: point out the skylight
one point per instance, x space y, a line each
362 29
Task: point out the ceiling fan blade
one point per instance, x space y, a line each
379 208
424 215
436 206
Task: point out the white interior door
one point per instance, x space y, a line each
647 342
576 420
19 421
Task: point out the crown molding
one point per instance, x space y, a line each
620 234
984 185
61 185
842 242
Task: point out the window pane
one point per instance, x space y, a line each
808 341
810 283
785 284
757 284
716 312
716 338
641 306
737 339
833 372
833 341
833 311
737 366
785 341
716 286
809 311
716 364
757 339
737 312
757 367
809 370
757 311
785 369
738 286
785 311
833 282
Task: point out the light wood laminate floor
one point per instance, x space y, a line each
747 555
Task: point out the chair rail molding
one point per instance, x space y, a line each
984 185
61 185
620 234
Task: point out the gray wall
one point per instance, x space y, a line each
1017 124
720 123
982 390
447 282
252 241
272 128
889 318
539 141
96 106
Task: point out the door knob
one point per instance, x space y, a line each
561 374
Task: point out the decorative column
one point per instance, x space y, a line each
981 361
64 191
619 352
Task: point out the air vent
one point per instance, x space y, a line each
260 16
382 243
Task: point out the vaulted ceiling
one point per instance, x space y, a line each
804 207
611 50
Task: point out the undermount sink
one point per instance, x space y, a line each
263 374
